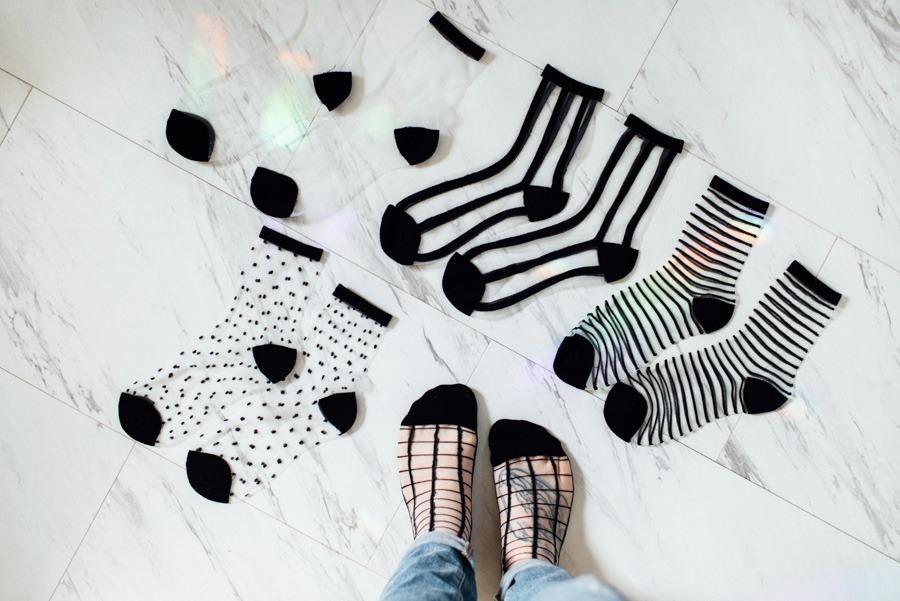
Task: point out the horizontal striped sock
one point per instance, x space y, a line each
692 293
751 372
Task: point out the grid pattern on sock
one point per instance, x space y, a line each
634 325
535 498
686 392
436 465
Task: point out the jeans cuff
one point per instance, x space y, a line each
510 575
436 537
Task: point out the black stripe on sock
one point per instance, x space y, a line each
814 284
346 295
573 85
291 245
456 37
648 132
739 196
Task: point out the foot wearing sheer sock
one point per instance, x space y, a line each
692 293
751 372
535 490
436 457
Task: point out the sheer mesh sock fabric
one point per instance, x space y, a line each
257 342
465 284
751 372
402 236
692 293
255 437
535 490
436 457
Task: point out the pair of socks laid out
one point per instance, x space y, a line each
751 371
402 237
465 284
532 475
272 379
193 137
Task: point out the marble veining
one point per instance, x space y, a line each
114 253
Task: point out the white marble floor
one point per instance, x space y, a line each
114 251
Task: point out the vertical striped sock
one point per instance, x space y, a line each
692 293
752 371
436 457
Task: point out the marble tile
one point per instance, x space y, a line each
154 538
795 97
56 466
535 326
100 292
603 43
13 92
247 67
831 449
663 522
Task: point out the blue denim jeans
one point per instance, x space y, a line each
439 567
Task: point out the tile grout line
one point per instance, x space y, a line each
383 535
91 524
827 256
644 62
16 116
792 504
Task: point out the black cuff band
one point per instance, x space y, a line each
289 244
573 85
351 298
739 196
456 37
648 132
813 284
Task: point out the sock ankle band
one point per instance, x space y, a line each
456 37
465 284
401 235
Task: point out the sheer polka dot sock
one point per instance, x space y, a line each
253 439
436 457
535 490
692 293
751 372
257 342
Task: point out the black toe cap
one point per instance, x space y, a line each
139 418
399 235
446 404
463 284
416 144
209 475
333 87
340 409
574 361
512 439
189 135
273 193
625 410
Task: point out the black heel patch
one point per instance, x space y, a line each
139 418
209 475
399 235
333 87
711 313
273 193
416 144
463 284
616 260
340 410
542 202
190 135
274 361
760 396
